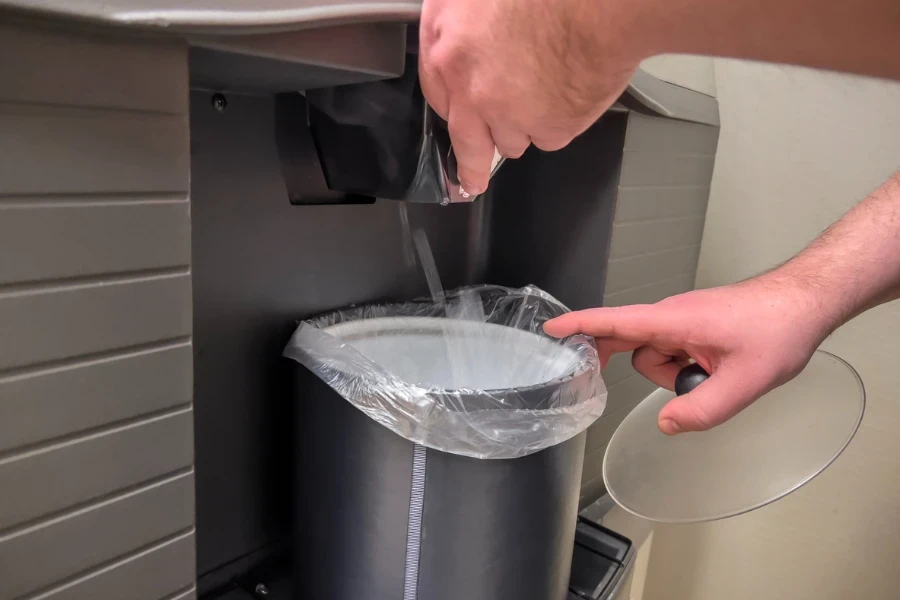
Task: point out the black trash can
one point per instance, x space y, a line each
384 510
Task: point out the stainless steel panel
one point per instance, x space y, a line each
95 317
288 61
152 574
65 400
47 553
228 16
47 241
50 479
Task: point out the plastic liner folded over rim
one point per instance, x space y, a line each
473 374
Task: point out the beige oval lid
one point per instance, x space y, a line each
770 449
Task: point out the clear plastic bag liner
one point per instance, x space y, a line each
380 138
471 374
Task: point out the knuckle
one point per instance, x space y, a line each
511 150
481 96
512 153
551 144
463 138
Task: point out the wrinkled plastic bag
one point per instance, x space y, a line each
380 138
473 374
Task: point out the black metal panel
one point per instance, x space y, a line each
553 215
500 528
258 265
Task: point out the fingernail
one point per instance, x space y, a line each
472 190
670 427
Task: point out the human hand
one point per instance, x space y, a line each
508 73
751 337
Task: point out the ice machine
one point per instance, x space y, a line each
166 219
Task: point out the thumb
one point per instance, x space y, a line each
727 392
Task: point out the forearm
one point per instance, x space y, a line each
861 37
853 266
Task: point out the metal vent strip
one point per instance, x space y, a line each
414 524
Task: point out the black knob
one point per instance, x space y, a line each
689 378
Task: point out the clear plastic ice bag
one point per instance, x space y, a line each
472 374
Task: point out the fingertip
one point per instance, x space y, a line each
670 426
551 329
468 185
558 327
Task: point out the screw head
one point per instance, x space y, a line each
219 102
261 589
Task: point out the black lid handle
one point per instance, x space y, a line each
689 378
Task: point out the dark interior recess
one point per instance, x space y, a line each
261 263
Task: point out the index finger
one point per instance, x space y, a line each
642 324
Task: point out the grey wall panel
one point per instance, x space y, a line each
652 134
623 395
635 271
660 211
591 490
160 569
48 553
644 237
620 394
69 151
552 214
618 369
653 203
188 595
607 425
653 292
64 400
662 169
95 316
92 71
55 478
593 463
45 241
89 318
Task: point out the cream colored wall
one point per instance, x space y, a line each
797 149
